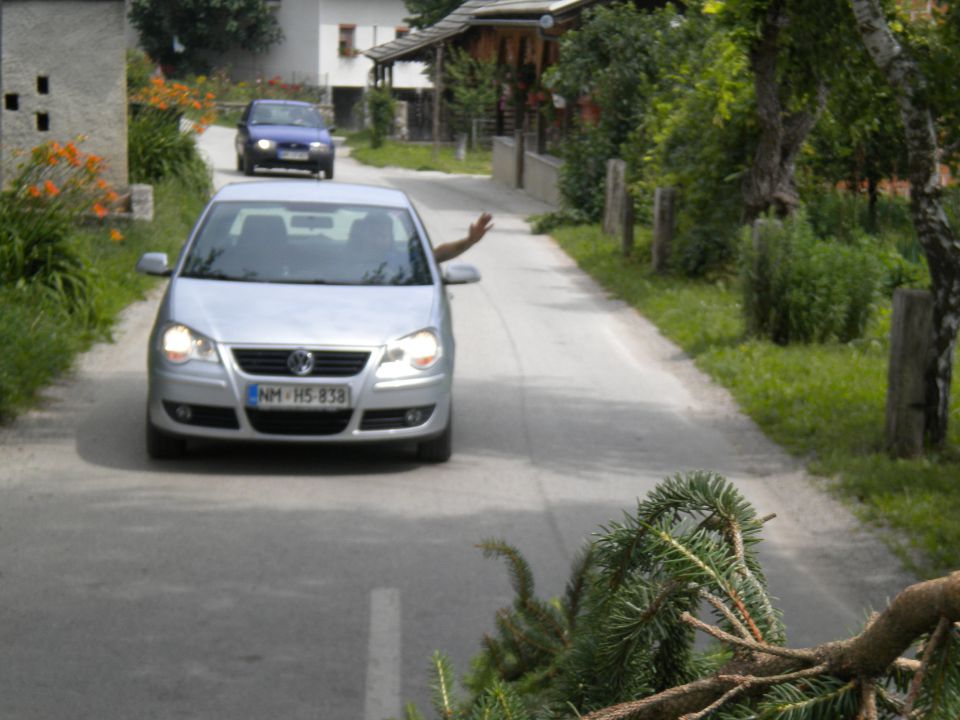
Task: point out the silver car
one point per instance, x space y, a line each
303 312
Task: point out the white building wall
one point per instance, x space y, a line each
310 52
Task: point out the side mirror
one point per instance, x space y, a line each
460 274
331 129
154 263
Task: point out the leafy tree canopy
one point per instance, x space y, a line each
424 13
202 25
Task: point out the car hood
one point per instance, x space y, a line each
278 314
289 134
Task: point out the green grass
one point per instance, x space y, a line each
40 339
417 156
824 403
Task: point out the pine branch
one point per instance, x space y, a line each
725 611
868 700
745 683
805 655
443 693
929 648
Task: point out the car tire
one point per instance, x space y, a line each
440 448
239 162
328 171
163 446
248 165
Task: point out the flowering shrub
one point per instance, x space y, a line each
52 190
157 146
176 98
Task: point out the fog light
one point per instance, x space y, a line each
184 413
413 416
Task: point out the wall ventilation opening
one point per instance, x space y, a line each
43 85
11 101
43 122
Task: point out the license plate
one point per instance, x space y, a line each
293 155
298 397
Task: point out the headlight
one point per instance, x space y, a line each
319 146
418 351
265 144
178 344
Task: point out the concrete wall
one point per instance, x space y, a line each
79 46
505 161
540 177
541 173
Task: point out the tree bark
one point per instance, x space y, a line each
771 184
939 242
914 612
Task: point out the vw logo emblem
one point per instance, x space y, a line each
300 362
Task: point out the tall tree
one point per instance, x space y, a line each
938 238
424 13
175 33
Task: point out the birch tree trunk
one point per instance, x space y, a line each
771 184
940 243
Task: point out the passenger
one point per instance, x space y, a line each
452 249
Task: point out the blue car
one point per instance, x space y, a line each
284 134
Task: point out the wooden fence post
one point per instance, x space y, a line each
615 191
664 206
519 149
911 328
626 226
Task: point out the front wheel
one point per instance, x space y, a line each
248 165
163 446
440 448
328 170
239 162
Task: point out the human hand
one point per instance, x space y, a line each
479 228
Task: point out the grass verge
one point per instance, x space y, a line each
825 403
416 156
41 339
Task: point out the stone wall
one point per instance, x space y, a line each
63 75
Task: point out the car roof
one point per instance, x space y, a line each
312 191
271 101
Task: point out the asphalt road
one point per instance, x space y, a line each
246 583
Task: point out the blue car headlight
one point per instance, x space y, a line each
265 144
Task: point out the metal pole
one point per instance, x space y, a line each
437 94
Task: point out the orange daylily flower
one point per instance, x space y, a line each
116 235
112 196
34 191
51 189
100 210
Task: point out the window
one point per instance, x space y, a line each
43 85
347 48
11 101
402 31
43 122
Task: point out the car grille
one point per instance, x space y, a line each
204 415
394 418
328 363
299 422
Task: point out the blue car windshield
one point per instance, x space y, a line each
310 243
277 114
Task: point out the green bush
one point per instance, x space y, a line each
583 175
799 288
380 108
158 150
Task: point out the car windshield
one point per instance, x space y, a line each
311 243
276 114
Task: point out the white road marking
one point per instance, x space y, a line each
382 696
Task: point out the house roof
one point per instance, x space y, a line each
535 8
471 13
417 42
